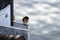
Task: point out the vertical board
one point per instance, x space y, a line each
6 13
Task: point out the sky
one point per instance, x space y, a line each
44 23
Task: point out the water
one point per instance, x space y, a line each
44 23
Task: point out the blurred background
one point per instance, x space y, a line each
44 23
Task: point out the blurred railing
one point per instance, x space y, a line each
18 28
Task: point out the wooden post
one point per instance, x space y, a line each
12 15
